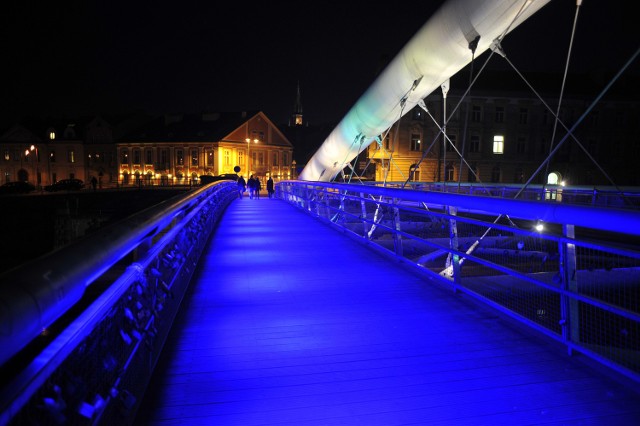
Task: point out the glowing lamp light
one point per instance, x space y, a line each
539 227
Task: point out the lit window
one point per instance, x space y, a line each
52 135
415 142
449 172
194 157
498 144
414 172
71 156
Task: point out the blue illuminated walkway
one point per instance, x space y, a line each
292 323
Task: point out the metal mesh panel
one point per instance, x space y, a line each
532 302
609 335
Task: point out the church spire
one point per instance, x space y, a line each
297 108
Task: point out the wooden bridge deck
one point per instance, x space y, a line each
291 323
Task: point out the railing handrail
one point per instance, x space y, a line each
61 276
601 218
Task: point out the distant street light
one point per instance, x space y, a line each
28 151
248 140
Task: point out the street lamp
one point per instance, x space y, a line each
37 167
35 148
248 140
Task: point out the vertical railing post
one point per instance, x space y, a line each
327 198
397 238
322 199
343 195
363 209
308 196
453 260
568 305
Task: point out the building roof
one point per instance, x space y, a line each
212 126
507 83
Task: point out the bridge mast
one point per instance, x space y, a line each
437 51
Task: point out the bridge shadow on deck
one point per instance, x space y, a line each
289 322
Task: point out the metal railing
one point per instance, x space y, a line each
571 272
82 327
625 197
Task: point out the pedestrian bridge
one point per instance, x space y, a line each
335 304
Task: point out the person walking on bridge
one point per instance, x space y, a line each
258 187
270 190
251 183
242 187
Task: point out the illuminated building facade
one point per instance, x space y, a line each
41 154
177 149
505 133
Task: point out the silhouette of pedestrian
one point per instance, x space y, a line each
252 186
258 187
94 182
270 190
242 187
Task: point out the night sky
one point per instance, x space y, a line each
88 57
